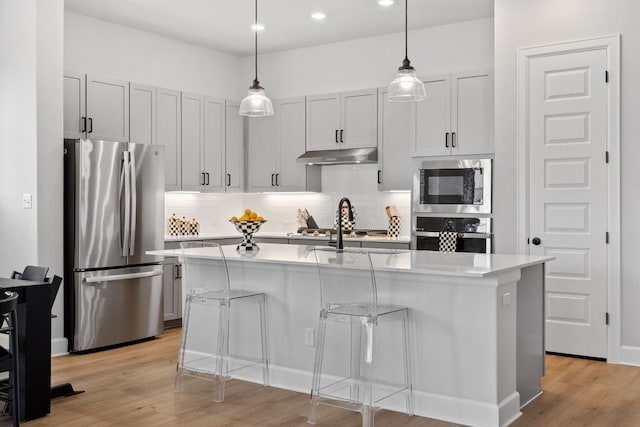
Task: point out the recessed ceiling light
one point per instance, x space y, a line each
257 27
318 16
385 2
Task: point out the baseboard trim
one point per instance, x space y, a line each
446 408
59 347
629 355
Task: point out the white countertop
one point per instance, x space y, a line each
406 261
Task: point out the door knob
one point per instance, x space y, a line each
536 241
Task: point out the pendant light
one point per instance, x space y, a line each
256 103
406 86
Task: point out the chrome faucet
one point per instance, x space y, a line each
339 245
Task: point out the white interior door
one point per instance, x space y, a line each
568 195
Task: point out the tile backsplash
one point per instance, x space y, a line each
357 182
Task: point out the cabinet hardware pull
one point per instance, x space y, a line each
446 140
336 136
84 125
272 175
203 178
207 178
176 271
341 131
277 176
453 139
379 182
90 125
228 180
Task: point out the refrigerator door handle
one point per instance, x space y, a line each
120 210
134 200
117 277
127 204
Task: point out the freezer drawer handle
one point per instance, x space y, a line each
116 277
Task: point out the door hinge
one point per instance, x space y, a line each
606 157
606 318
606 76
607 237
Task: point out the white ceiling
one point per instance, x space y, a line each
224 25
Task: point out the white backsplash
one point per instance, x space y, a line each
357 182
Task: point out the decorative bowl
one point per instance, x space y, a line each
247 228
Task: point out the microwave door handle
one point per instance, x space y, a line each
134 202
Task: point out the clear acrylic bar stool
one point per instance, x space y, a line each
349 298
207 282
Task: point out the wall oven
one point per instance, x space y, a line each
453 186
473 234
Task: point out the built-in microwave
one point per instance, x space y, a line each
453 186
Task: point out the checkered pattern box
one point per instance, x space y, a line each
394 227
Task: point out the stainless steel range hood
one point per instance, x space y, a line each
340 157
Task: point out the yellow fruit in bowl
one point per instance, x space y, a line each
244 218
234 218
247 212
253 215
259 218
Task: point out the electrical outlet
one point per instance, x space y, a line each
26 201
506 299
310 337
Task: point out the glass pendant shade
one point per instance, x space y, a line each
406 87
256 104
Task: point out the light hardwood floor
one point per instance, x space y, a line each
133 386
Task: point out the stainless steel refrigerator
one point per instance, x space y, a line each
114 208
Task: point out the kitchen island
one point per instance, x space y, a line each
476 324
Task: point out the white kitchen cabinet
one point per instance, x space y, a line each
142 114
169 135
213 146
75 120
456 118
95 107
234 148
274 144
193 177
342 120
172 285
261 168
396 121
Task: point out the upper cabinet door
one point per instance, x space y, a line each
359 119
395 134
433 118
472 113
213 147
261 153
193 176
107 109
169 134
75 121
234 148
323 122
290 133
142 114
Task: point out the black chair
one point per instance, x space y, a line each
9 357
32 272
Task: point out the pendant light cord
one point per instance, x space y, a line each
406 38
256 43
406 64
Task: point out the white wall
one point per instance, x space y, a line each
373 62
525 23
18 134
119 52
30 137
